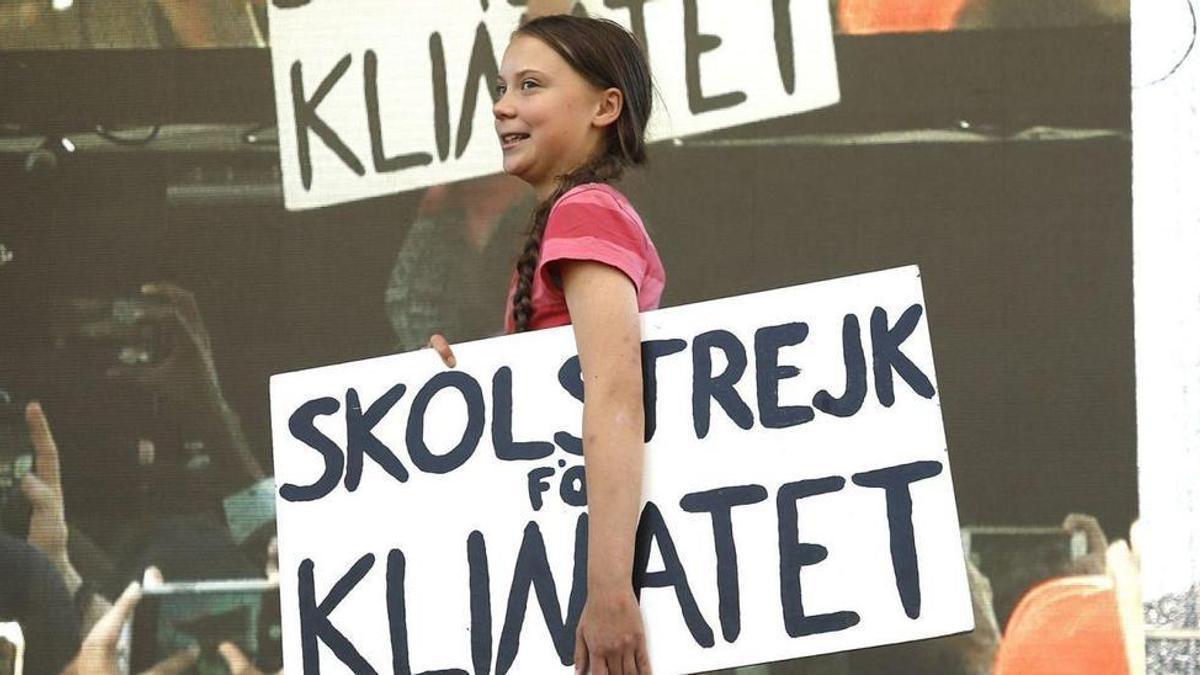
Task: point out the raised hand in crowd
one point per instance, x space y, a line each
101 651
977 649
167 352
972 653
1093 562
184 378
272 568
48 530
238 663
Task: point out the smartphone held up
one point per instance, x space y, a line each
201 616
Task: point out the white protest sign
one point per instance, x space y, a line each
375 97
797 492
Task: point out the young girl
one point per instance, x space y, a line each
575 95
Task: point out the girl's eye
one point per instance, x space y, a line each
500 88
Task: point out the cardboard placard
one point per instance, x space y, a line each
797 495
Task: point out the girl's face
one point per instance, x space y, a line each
548 118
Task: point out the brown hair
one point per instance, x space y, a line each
606 55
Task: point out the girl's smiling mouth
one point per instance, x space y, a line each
510 140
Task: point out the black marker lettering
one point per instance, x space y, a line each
652 350
652 528
502 435
637 19
441 98
785 51
314 618
886 344
706 388
397 616
856 374
794 555
573 487
696 43
383 163
300 424
719 505
895 481
398 620
305 113
415 435
570 378
533 572
481 67
767 343
360 438
481 604
538 485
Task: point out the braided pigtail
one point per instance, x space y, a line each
605 169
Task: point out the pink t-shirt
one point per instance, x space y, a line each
593 221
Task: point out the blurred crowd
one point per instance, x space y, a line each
175 496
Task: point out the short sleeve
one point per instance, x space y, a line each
591 225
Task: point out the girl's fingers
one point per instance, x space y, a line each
581 655
442 347
45 450
643 660
629 664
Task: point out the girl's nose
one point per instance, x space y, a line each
502 107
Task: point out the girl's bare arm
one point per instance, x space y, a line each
604 312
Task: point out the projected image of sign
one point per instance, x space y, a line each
397 96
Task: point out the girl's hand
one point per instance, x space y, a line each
610 639
439 343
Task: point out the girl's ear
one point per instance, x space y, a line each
612 100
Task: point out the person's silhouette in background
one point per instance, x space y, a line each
452 271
